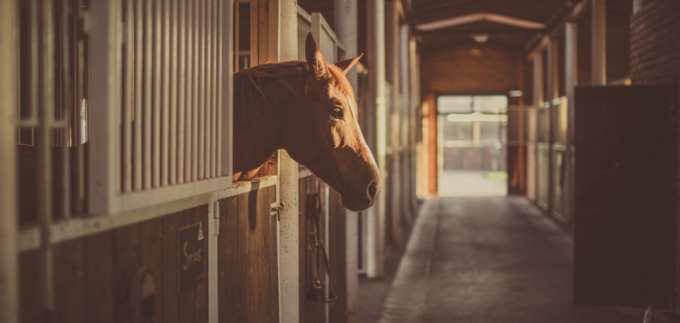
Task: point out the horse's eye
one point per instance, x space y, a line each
336 113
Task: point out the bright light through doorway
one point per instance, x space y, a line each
472 145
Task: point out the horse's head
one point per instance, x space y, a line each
324 135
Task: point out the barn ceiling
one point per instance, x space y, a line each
512 24
507 23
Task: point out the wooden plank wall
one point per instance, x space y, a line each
312 308
93 274
337 245
248 267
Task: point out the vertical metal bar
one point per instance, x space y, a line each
46 115
148 91
200 89
210 36
68 107
237 37
156 31
139 66
181 90
172 93
190 106
254 28
216 82
195 106
9 258
165 104
129 95
224 32
35 69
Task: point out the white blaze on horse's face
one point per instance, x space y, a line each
335 149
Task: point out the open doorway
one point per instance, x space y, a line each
472 132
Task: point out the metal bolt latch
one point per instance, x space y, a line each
276 209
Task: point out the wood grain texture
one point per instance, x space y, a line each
98 263
248 258
126 258
152 257
229 291
337 243
69 282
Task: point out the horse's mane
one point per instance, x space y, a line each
260 86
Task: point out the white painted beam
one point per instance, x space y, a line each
283 19
9 278
570 80
481 16
376 61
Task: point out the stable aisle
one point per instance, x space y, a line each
488 259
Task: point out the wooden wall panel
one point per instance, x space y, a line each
126 257
30 309
248 261
151 251
98 277
337 243
69 281
312 309
93 274
169 275
229 282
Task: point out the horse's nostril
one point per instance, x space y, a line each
372 190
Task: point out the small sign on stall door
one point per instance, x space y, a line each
191 255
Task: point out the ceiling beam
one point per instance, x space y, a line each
481 16
572 12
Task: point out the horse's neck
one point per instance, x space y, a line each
259 112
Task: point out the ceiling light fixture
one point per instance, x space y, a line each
480 38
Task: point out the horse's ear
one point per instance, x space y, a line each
314 57
347 64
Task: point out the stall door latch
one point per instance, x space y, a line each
276 209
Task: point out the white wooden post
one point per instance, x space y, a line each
532 172
394 138
599 42
346 28
285 14
553 92
105 62
570 80
376 60
9 278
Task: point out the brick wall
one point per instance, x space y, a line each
655 43
655 59
471 69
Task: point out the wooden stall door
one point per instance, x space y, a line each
248 267
624 225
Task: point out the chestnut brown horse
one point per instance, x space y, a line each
309 109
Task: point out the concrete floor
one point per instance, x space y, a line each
491 259
470 183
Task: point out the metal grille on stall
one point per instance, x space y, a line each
106 189
169 127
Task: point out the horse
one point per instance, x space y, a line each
308 108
